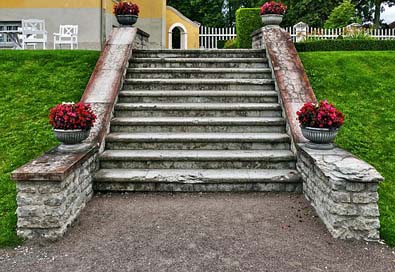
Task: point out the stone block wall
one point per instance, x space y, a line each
343 191
47 208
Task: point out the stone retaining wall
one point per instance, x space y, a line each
341 188
54 188
343 191
46 208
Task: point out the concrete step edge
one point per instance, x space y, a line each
198 106
198 175
199 81
197 93
196 121
197 155
199 60
201 70
170 137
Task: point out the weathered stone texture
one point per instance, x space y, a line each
141 41
47 208
343 191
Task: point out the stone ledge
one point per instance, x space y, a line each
52 166
340 165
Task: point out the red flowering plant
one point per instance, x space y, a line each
69 116
323 115
126 8
273 7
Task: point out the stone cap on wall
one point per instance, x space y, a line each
340 165
52 166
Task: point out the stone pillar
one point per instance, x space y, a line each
301 30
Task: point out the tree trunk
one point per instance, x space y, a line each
377 13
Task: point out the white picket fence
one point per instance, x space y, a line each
328 34
209 36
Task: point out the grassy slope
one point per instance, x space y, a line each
31 82
361 84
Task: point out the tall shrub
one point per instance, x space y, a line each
342 15
247 21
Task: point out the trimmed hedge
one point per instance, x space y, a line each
346 45
247 21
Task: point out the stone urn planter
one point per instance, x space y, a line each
71 137
71 125
320 138
320 123
127 20
272 19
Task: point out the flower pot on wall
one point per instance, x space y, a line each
127 20
71 137
272 19
320 138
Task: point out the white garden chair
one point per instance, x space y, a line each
68 34
33 33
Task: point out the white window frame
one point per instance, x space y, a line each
8 25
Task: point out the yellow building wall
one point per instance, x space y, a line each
192 29
50 4
148 8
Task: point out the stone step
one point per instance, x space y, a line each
196 73
193 96
198 63
199 84
196 109
198 124
211 53
197 141
197 180
197 159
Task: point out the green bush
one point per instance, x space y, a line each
230 44
346 45
342 15
247 21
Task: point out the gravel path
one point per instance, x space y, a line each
199 232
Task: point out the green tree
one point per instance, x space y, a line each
342 15
312 12
206 12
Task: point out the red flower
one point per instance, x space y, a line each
126 8
324 115
72 116
273 7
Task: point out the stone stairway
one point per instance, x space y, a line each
191 120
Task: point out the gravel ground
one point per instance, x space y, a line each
198 232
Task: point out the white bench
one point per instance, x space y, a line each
68 34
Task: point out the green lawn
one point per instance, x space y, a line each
31 82
362 85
